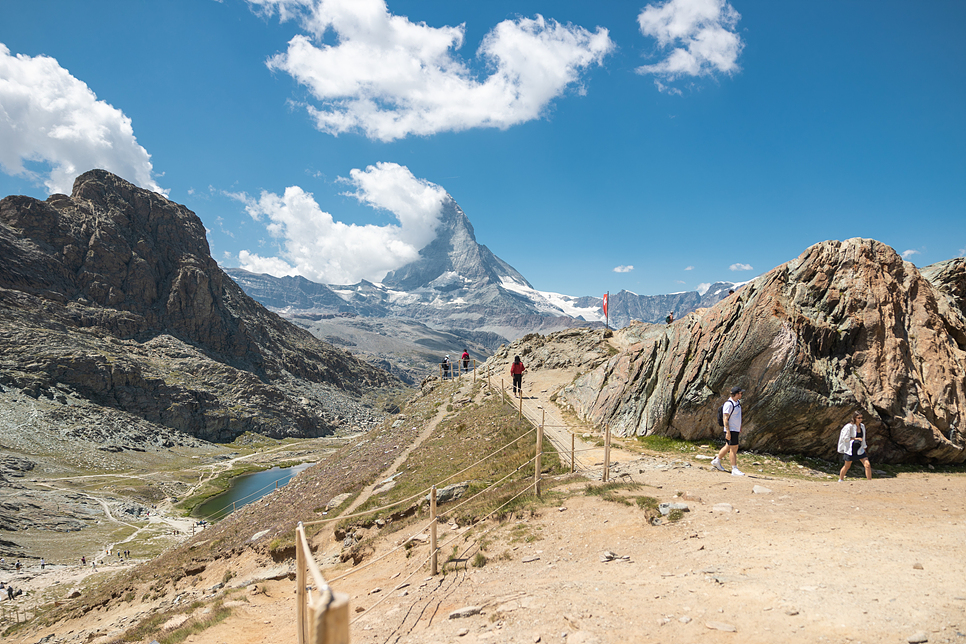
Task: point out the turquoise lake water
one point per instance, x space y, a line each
246 489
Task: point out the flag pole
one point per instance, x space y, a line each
607 312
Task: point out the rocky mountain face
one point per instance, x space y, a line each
459 286
845 326
109 297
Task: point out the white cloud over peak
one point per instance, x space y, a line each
623 269
689 268
906 254
696 37
316 246
388 77
741 267
49 117
703 288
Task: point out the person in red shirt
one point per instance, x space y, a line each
516 370
466 360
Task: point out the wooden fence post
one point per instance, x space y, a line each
606 454
502 391
538 461
434 565
300 587
520 413
573 452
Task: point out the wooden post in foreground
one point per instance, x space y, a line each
606 454
539 460
434 561
502 392
573 452
520 414
300 582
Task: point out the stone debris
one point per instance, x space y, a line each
919 637
450 492
721 626
759 489
722 507
612 556
466 611
531 559
666 508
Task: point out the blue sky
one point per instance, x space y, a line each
594 146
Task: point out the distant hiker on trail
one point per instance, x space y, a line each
466 360
83 561
852 445
43 563
670 317
516 370
731 417
444 366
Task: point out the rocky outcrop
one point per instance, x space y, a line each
111 295
847 325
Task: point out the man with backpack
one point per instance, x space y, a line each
730 419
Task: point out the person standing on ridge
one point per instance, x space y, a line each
731 415
516 370
466 360
444 365
852 444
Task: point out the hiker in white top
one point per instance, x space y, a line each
731 414
852 444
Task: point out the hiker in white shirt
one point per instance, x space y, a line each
731 415
852 444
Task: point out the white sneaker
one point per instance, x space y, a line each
716 464
736 472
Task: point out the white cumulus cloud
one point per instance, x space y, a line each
906 254
623 269
51 119
689 268
388 77
703 288
696 38
316 246
741 267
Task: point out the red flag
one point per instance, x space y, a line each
605 304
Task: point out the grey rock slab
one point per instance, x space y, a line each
466 611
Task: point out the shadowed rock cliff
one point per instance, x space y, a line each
846 325
111 295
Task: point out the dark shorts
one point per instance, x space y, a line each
731 438
856 457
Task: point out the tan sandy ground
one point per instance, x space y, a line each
809 561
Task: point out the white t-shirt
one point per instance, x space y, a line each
734 421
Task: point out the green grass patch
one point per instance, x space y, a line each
612 492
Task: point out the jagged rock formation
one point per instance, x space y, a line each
846 325
111 296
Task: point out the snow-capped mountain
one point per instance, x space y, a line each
458 283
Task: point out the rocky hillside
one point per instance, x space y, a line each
847 325
110 297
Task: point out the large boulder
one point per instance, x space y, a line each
845 326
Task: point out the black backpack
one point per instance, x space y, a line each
721 414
